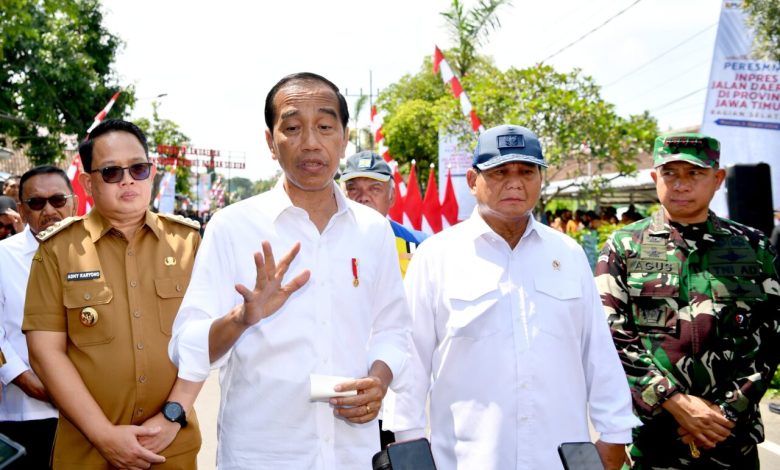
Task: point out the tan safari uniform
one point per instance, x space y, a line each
116 301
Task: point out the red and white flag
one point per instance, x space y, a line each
413 200
443 68
99 117
85 202
431 208
449 206
396 211
379 135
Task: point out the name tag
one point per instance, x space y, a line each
83 276
735 269
652 266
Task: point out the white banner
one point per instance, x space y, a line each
452 155
167 196
743 102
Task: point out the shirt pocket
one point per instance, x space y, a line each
473 313
90 314
735 299
556 301
170 292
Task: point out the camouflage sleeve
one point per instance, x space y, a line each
756 355
649 379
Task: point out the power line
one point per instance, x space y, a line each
657 57
672 78
676 100
591 31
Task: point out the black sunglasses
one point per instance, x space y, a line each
57 201
114 174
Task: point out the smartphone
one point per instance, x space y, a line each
411 455
9 451
580 456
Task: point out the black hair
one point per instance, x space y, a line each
109 125
270 112
43 170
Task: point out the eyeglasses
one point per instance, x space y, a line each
57 201
114 174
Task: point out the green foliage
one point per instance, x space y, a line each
161 131
469 30
262 186
238 188
55 73
603 233
579 130
764 17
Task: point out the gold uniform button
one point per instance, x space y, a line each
140 411
139 345
133 283
178 287
169 261
137 314
142 379
89 316
87 296
130 253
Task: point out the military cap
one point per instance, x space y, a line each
696 149
503 144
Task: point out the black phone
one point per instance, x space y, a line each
580 456
9 451
411 455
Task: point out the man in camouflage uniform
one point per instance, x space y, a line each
693 302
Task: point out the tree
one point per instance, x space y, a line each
581 134
764 16
470 29
361 136
166 132
262 186
239 188
55 73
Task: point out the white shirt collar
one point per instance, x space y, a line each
477 227
278 200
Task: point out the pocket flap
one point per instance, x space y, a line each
170 288
86 295
559 288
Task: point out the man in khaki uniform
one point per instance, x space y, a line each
103 293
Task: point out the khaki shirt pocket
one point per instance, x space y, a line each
89 314
170 292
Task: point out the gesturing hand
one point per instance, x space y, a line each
269 294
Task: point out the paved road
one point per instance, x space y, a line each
207 407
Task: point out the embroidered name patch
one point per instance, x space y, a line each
83 276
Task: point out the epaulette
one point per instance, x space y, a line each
182 220
44 235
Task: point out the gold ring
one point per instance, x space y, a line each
368 409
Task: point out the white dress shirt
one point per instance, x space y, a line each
514 350
16 255
330 326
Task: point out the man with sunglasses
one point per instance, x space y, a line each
26 413
693 301
103 292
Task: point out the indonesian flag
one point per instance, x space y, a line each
396 211
413 200
449 206
442 67
379 135
85 202
431 208
99 117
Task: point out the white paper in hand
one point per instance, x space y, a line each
322 387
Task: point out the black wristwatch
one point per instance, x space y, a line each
174 413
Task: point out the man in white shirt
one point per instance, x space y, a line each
510 333
26 414
340 312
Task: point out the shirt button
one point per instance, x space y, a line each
130 253
140 411
729 394
133 283
325 361
140 345
87 296
142 379
136 314
178 287
660 389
